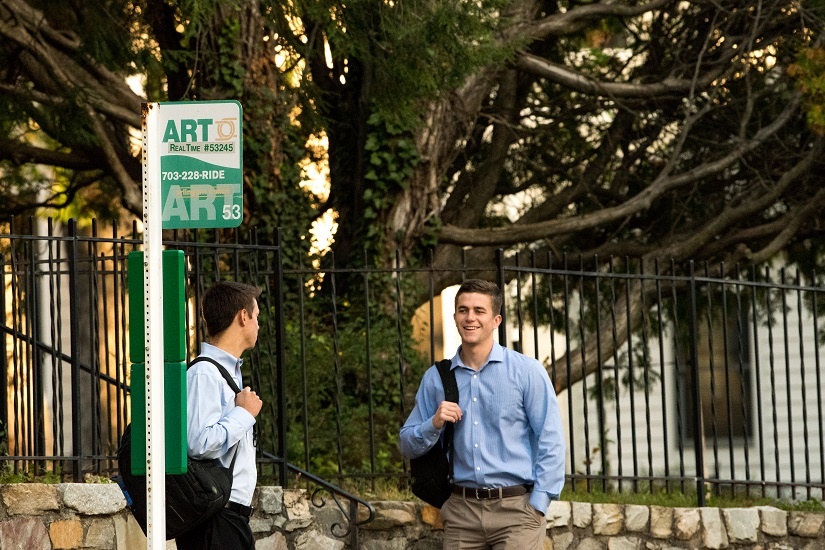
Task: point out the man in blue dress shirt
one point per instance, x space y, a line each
508 444
218 419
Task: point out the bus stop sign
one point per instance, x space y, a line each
200 145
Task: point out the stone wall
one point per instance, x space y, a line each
68 516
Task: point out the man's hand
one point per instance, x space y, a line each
249 400
447 412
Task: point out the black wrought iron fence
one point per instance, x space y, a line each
671 376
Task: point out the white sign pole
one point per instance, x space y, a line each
153 302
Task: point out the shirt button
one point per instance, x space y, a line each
476 445
475 376
478 467
475 398
475 423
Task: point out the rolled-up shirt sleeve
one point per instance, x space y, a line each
418 434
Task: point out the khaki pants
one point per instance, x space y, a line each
492 524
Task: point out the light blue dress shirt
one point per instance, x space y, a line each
215 424
510 432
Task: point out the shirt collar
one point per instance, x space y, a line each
220 355
496 356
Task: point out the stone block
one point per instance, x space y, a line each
774 521
661 522
99 534
714 534
270 499
297 510
590 544
30 499
686 523
742 524
582 514
562 540
389 514
608 519
261 525
558 514
313 540
128 533
398 543
636 518
66 534
625 543
24 534
431 516
806 524
275 541
93 499
328 516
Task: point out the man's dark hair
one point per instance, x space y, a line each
223 301
480 286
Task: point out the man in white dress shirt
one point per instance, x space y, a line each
219 420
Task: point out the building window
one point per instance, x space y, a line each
723 360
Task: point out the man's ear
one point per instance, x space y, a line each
243 316
497 321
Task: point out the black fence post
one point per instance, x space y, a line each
280 361
4 364
698 423
502 328
33 288
353 521
74 324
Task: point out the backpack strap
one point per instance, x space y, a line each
221 369
450 394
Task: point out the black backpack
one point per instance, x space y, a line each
431 473
191 498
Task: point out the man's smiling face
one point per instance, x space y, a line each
475 320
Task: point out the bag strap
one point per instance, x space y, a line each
221 369
232 384
450 394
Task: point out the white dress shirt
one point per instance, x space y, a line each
215 424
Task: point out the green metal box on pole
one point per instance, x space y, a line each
174 353
174 378
174 307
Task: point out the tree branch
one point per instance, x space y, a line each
642 201
570 21
22 153
625 90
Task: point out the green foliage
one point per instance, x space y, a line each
392 159
676 496
231 72
425 47
345 379
28 475
809 72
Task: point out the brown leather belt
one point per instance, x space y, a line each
493 492
245 511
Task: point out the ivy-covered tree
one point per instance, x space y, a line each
641 128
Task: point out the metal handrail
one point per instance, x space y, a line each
335 491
